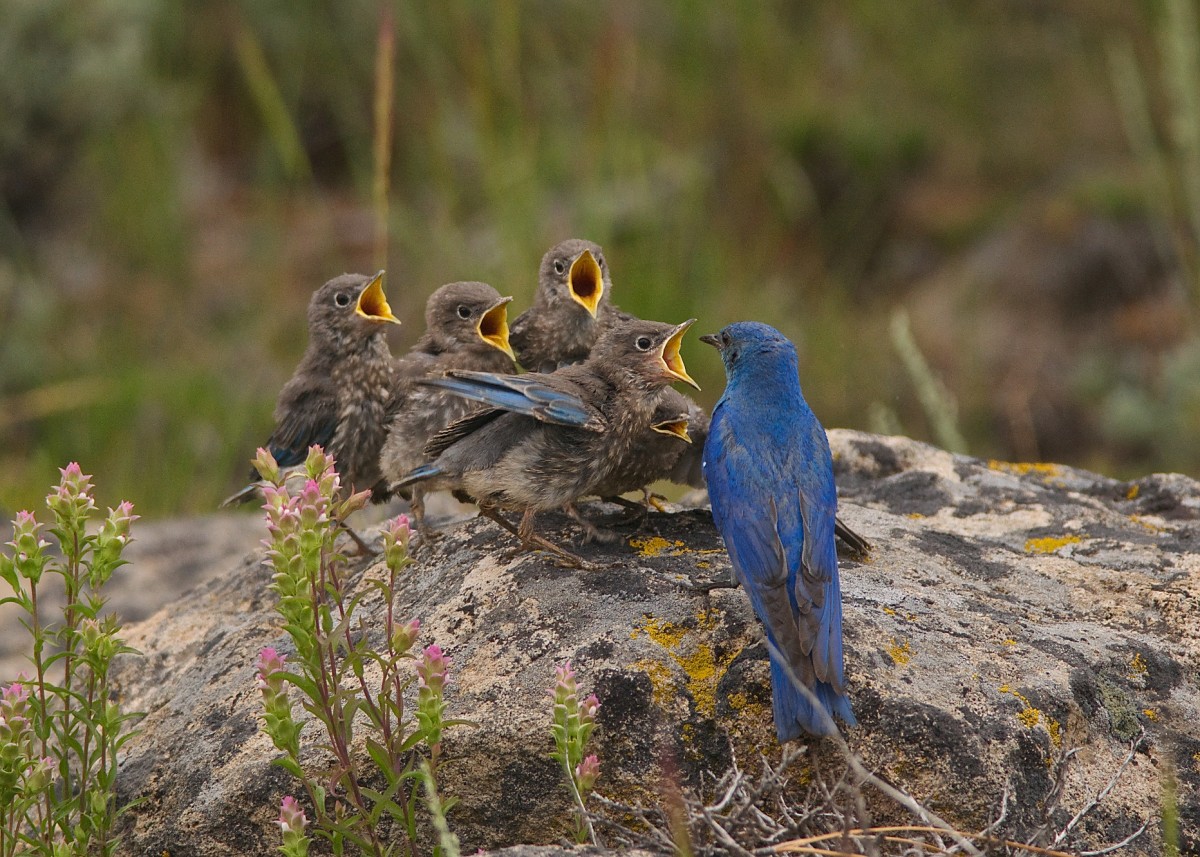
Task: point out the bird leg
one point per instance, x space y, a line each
417 504
531 539
591 533
637 512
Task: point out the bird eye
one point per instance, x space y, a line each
342 299
644 343
463 312
560 267
726 339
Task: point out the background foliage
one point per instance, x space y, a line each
176 179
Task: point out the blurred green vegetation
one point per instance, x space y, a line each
176 179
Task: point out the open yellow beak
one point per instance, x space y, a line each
493 327
677 427
669 354
586 282
372 302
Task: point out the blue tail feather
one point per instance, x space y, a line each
419 474
795 714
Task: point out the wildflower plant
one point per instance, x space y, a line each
59 732
328 674
573 723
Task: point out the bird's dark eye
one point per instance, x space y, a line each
342 299
463 312
726 339
644 343
560 267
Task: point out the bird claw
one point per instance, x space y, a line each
657 501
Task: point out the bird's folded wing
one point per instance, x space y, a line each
544 397
817 590
459 429
750 524
310 418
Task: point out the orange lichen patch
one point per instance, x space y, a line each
1050 544
900 653
702 666
1032 717
1132 493
916 516
1009 642
889 611
661 686
1023 468
1150 713
1138 666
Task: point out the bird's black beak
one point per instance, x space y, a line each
712 339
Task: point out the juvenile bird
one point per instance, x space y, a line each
545 440
571 308
338 394
770 479
466 327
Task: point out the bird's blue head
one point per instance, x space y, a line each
751 347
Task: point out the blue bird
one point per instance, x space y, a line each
770 480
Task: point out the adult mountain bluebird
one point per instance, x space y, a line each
466 327
571 308
338 395
770 479
545 440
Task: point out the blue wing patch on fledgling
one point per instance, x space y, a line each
522 394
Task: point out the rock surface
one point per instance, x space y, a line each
1007 615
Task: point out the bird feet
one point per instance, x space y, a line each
591 532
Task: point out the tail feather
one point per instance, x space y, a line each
795 711
419 474
250 492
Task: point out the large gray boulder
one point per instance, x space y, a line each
1011 635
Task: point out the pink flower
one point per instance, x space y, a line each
291 816
434 669
587 772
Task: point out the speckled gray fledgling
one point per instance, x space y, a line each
548 439
662 452
466 327
571 308
339 392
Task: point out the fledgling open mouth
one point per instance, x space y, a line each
677 427
586 282
669 354
372 302
493 327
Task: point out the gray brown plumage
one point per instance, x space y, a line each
338 394
545 440
466 327
571 308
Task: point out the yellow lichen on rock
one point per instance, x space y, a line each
1138 666
656 546
1022 468
1031 716
700 662
1050 544
900 653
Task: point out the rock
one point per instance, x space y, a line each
1008 614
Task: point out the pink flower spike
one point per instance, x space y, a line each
291 816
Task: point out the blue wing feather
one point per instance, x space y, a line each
522 394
